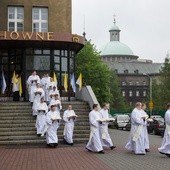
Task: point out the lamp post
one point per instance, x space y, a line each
150 93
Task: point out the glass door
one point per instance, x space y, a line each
10 60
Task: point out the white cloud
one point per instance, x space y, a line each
144 24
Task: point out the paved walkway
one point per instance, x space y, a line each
77 158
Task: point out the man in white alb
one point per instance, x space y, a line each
165 146
106 140
95 144
136 138
69 118
32 81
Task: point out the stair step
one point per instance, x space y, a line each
85 118
17 126
40 141
16 129
34 137
33 132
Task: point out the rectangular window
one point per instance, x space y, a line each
144 93
123 93
15 18
130 93
137 93
40 19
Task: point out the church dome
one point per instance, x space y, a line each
115 48
114 28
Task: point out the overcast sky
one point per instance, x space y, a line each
144 24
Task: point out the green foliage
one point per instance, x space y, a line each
97 74
161 90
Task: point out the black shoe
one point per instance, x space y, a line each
51 145
112 147
101 152
167 154
140 154
38 135
89 150
71 144
55 145
147 150
162 153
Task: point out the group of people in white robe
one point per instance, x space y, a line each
46 107
138 141
99 135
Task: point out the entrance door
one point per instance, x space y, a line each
10 60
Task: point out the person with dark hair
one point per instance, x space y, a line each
165 146
32 81
41 110
53 120
94 144
105 137
69 118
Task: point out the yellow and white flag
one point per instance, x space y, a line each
14 78
54 77
20 86
66 82
80 81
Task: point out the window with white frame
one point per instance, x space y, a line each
15 18
144 93
144 83
130 93
40 19
123 83
123 93
130 83
137 83
137 93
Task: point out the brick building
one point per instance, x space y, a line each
36 35
135 75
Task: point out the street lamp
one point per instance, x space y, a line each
150 93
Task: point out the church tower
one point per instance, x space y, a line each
114 32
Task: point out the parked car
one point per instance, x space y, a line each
121 121
156 127
111 123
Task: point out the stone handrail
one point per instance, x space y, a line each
87 94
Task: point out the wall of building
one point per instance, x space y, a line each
59 12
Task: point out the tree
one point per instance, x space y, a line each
161 88
97 74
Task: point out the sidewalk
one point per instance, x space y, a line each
78 158
42 158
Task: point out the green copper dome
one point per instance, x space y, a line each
115 48
114 28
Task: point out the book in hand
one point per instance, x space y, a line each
106 120
34 81
110 119
55 117
41 111
37 93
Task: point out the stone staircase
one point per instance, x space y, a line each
17 126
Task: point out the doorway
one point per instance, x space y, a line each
10 60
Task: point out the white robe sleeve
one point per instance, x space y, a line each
29 80
65 116
48 119
38 79
167 117
92 119
136 116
